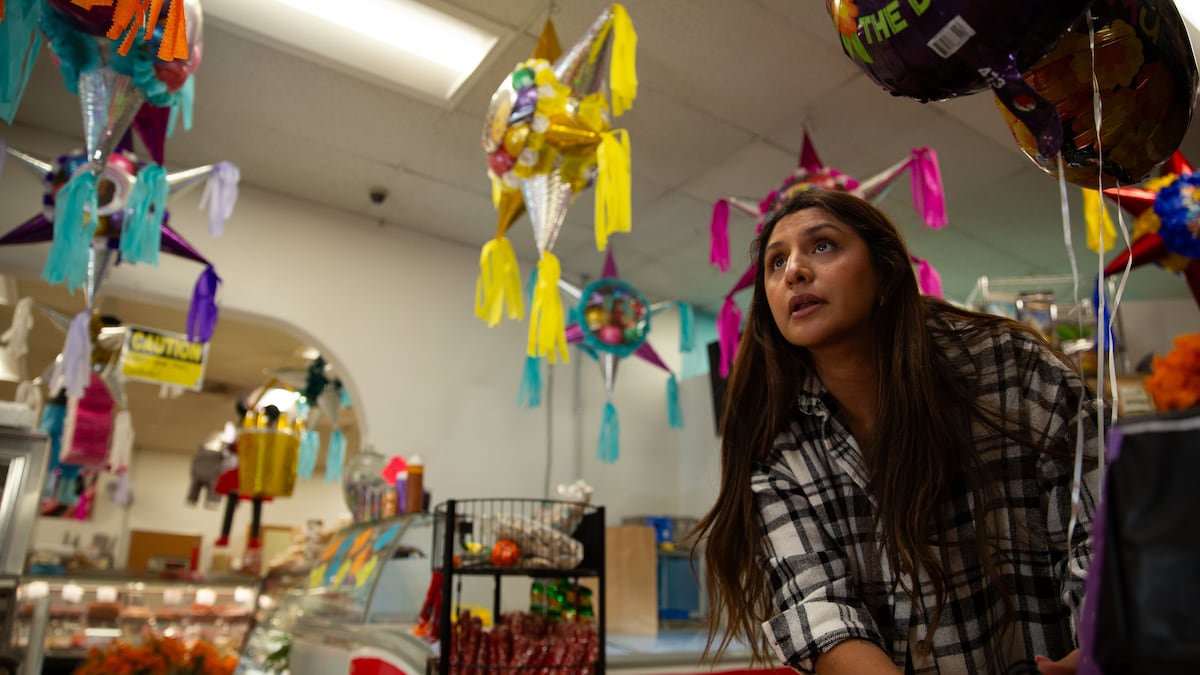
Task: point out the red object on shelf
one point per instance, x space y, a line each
505 553
368 661
373 666
395 466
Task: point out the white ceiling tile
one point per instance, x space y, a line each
684 274
735 61
671 222
750 173
673 141
810 17
511 13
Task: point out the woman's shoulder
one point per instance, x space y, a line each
990 346
977 331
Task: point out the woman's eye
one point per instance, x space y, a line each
823 246
777 262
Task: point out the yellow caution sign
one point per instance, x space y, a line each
152 355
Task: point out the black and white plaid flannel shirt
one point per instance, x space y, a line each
828 586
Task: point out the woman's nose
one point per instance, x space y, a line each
797 271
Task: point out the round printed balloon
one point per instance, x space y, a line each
1147 84
938 49
935 49
614 316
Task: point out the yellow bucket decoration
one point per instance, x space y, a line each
268 455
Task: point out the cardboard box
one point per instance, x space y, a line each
1133 399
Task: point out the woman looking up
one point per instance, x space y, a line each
896 472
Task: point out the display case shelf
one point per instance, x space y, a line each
91 608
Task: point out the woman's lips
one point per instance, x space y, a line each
805 305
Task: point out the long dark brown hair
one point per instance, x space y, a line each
928 430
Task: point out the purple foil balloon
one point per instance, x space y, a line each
934 49
938 49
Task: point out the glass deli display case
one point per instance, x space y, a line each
357 603
24 456
397 596
93 608
23 460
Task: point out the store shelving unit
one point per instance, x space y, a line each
1072 306
464 527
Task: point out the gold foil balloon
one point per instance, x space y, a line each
1146 75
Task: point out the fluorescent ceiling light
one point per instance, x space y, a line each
402 41
407 26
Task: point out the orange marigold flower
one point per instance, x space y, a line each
1175 382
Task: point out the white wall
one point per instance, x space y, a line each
160 483
1151 326
393 310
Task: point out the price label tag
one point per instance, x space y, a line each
72 593
206 596
37 589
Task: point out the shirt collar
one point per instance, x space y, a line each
811 395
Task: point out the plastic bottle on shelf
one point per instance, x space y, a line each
415 488
402 492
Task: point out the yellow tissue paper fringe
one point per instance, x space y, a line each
499 283
547 331
613 208
1098 222
622 74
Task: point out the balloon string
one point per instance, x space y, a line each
1074 568
1077 473
1103 332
